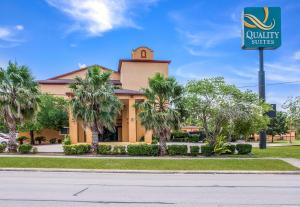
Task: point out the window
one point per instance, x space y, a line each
143 54
64 131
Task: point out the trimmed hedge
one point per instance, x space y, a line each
76 149
143 150
182 139
207 150
2 147
179 134
24 148
194 138
104 149
244 148
119 150
194 150
177 150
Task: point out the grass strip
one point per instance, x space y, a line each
147 164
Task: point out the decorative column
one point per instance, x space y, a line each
73 128
131 120
148 136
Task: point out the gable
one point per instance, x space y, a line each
81 73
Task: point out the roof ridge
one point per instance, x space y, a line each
78 70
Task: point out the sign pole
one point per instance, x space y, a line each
262 95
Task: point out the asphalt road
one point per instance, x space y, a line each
41 189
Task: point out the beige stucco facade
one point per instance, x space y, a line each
131 76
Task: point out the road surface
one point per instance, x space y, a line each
73 189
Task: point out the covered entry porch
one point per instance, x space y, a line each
128 128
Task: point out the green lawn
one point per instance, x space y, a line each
146 164
287 151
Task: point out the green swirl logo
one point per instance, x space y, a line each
256 23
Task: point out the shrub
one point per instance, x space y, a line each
244 148
40 139
67 140
52 141
177 150
104 149
155 140
194 138
69 150
182 139
21 139
2 147
25 148
119 150
231 148
207 150
77 149
59 141
194 150
82 148
221 147
179 134
143 150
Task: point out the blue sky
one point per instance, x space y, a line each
202 38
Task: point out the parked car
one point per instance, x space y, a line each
3 138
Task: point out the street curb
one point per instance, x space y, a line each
146 171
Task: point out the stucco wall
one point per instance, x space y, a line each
135 75
47 133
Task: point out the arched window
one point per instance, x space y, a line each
143 54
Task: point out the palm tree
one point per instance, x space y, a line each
18 98
94 102
162 110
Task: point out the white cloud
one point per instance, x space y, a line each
10 36
98 16
82 65
73 45
210 37
296 55
19 27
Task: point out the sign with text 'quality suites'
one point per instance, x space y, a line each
261 28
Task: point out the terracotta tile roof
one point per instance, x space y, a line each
118 92
78 70
128 92
68 81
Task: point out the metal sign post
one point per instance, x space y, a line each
261 30
262 95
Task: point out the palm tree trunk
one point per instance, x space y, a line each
163 135
12 143
94 140
32 137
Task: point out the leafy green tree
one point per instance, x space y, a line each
162 110
95 103
278 125
218 107
52 114
292 106
3 127
18 98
